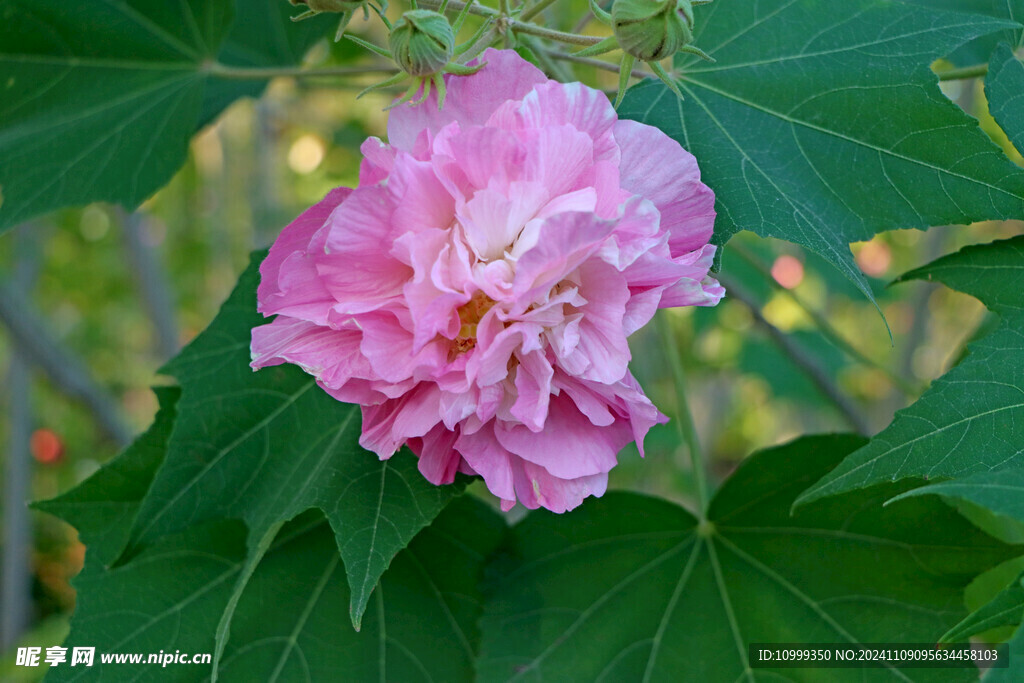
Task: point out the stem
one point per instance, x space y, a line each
796 353
480 45
519 25
506 13
552 34
596 63
973 71
561 72
826 328
455 5
684 418
261 74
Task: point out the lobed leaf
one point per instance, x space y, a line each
971 420
632 588
824 125
170 596
979 51
98 100
266 446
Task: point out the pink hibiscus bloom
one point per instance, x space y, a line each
474 294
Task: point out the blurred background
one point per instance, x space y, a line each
94 300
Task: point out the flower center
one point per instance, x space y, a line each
470 314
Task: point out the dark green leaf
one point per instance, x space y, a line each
630 588
104 506
1004 87
288 625
978 51
168 598
422 625
265 446
971 420
98 100
1005 609
824 126
262 36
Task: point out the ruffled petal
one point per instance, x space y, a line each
289 282
471 99
655 167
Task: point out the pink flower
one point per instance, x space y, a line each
475 292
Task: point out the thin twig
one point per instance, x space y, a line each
148 272
15 578
826 328
596 63
684 418
972 71
36 343
456 6
800 358
561 72
243 73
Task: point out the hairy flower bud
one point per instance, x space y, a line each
422 42
652 30
330 5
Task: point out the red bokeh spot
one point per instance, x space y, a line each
788 271
46 446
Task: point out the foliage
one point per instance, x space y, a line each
246 521
629 588
777 122
971 419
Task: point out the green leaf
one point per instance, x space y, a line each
1005 609
98 100
168 598
265 446
104 506
632 588
263 36
171 595
824 127
971 420
1001 491
1004 88
422 625
978 51
1014 673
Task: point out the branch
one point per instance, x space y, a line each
37 345
149 274
15 579
244 73
901 382
972 71
795 353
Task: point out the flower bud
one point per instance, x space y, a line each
422 42
330 5
652 30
